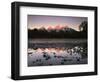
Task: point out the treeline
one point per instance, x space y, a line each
54 34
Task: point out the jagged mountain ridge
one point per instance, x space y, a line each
62 32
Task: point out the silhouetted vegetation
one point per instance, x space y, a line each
63 33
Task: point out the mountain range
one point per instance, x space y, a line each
57 32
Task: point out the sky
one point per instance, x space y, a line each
38 21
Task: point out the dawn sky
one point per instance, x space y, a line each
38 21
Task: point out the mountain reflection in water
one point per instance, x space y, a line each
65 53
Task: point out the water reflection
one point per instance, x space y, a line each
57 56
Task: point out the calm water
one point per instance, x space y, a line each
45 52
